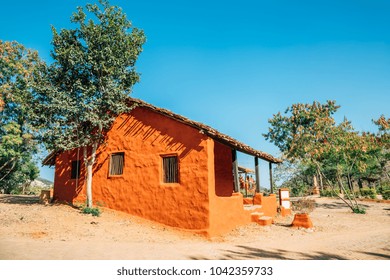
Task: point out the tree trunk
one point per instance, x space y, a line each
315 181
89 162
9 171
321 182
5 164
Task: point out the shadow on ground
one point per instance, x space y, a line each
380 255
338 205
19 199
246 252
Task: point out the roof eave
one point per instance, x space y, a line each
211 132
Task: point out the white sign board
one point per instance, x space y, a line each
284 194
286 204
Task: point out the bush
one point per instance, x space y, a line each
386 194
327 193
90 210
368 193
359 210
304 205
298 190
384 190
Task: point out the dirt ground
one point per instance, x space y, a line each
29 230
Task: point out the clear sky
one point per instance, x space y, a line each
233 64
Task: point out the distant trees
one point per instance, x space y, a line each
309 137
72 102
17 129
89 82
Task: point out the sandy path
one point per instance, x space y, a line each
29 230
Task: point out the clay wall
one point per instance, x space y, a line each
202 200
223 167
269 206
65 188
226 211
145 137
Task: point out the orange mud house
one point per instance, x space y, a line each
164 167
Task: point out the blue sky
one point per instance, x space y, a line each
233 64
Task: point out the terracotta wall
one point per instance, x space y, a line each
269 206
201 201
65 188
222 170
226 212
144 137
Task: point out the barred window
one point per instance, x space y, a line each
117 163
75 169
170 169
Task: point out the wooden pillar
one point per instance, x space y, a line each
235 171
257 174
270 178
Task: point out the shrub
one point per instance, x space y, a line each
384 190
359 210
327 193
368 193
91 210
304 205
386 194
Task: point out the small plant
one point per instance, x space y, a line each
91 210
384 190
327 193
386 194
368 193
359 210
304 205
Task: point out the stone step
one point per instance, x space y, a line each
265 221
250 207
255 216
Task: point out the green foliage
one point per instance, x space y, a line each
303 126
384 190
368 193
359 210
293 176
91 78
89 83
17 130
94 211
328 193
386 194
308 134
299 190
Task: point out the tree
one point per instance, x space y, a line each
17 130
90 80
295 176
383 137
307 133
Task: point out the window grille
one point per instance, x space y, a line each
170 169
75 169
117 163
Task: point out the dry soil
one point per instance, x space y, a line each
29 230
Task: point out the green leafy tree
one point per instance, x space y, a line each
90 80
295 176
17 130
307 133
383 137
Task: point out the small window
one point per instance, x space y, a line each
170 169
117 163
75 170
